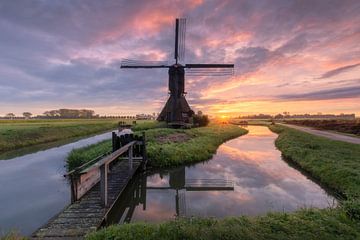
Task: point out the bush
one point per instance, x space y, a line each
200 120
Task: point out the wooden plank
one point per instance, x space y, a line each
110 157
87 181
104 185
131 158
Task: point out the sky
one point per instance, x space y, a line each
299 56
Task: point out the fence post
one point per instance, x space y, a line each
74 181
103 185
144 148
131 158
114 141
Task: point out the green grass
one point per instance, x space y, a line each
202 144
304 224
334 163
16 134
12 235
145 125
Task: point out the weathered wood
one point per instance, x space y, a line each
103 185
87 214
87 181
95 189
131 158
114 138
108 159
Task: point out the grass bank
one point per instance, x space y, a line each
169 147
334 163
16 134
305 224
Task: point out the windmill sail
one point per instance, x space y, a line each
129 63
180 30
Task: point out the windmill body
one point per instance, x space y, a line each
177 111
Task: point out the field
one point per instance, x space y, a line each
344 126
335 164
169 147
17 134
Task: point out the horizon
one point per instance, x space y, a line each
288 55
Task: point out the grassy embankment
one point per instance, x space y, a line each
335 164
16 134
168 147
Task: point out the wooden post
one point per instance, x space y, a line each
131 158
144 148
114 138
73 181
103 185
122 140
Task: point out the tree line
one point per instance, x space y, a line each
59 113
65 113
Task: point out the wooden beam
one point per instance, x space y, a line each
108 159
103 185
130 158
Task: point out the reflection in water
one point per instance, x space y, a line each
262 182
33 189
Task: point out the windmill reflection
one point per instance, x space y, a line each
135 194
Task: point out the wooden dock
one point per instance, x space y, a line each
95 189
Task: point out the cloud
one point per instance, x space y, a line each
64 53
336 93
338 71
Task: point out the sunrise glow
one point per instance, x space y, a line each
291 56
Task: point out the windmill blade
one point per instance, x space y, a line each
209 65
129 63
180 29
176 39
211 72
182 32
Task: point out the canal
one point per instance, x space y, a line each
33 188
262 181
247 176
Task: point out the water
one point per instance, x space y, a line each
33 189
263 182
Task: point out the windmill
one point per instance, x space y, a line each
177 111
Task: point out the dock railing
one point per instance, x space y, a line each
84 177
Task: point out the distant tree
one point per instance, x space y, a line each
199 113
279 116
52 113
200 121
71 113
10 115
27 115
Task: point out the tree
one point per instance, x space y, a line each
200 121
10 115
27 115
52 113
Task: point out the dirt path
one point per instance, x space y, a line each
327 134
